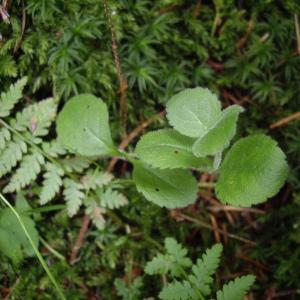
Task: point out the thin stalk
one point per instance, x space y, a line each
52 250
37 253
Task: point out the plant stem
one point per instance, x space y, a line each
38 254
51 250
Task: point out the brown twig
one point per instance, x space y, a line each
123 86
236 209
285 120
86 219
215 228
84 227
207 226
241 43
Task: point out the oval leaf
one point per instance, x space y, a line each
166 188
168 149
82 126
193 111
253 170
219 137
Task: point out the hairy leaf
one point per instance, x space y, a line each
193 111
112 199
178 291
253 170
26 173
205 268
172 262
36 118
5 137
166 188
83 127
73 195
236 289
51 183
11 97
95 179
11 155
168 149
96 214
218 137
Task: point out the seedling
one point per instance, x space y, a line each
253 169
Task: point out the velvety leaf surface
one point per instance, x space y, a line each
83 126
253 170
219 137
167 188
168 149
193 111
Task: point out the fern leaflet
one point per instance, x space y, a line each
26 173
236 289
73 195
11 155
51 184
205 268
9 99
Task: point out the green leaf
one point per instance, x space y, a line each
51 183
205 268
11 97
96 214
236 289
13 242
178 291
172 262
83 127
27 172
168 149
112 199
95 179
193 111
166 188
5 137
36 118
218 137
73 195
253 170
12 154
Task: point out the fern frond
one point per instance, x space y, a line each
53 148
11 155
178 291
173 262
5 137
93 180
112 199
36 118
205 268
27 172
75 164
9 99
96 214
73 195
236 289
51 183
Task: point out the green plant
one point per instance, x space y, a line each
197 282
27 151
253 169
